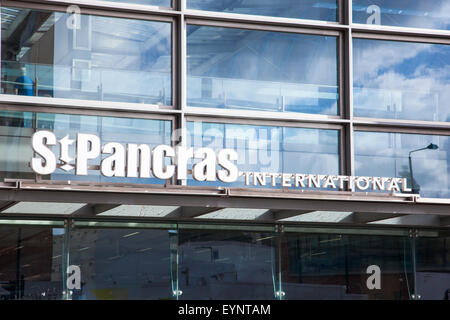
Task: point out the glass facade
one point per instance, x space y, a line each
31 262
271 149
316 10
401 80
86 57
18 127
334 267
403 13
295 87
164 261
257 70
387 155
162 3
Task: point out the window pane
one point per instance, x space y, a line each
260 70
403 13
433 266
31 263
270 149
17 128
226 265
161 3
380 154
121 264
334 267
401 80
53 54
303 9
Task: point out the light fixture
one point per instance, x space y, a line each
431 146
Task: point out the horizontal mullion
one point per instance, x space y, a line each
401 34
412 128
62 110
32 102
257 22
242 115
273 123
113 9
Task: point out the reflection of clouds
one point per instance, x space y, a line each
386 155
405 80
372 56
271 149
262 70
420 14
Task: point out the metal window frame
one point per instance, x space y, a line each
93 103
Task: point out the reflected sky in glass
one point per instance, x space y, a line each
270 149
162 3
381 154
98 58
401 80
259 70
316 10
16 129
108 129
434 14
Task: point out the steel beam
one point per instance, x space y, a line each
91 210
275 215
190 212
366 217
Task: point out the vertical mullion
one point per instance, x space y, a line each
65 259
348 90
181 125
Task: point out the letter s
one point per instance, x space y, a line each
40 140
224 158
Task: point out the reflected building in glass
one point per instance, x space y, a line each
149 108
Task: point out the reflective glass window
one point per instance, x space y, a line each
122 264
16 129
403 13
270 149
380 154
54 54
222 265
260 70
31 259
433 265
401 80
303 9
160 3
335 267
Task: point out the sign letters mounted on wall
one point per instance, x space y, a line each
165 162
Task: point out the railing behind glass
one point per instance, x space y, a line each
87 83
262 95
398 104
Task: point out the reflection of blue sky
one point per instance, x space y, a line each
271 149
401 80
420 14
316 10
110 59
163 3
386 155
129 59
234 68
